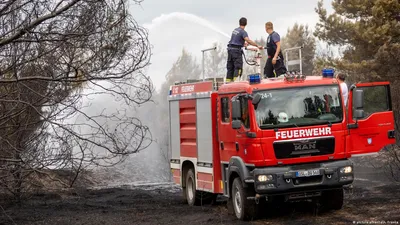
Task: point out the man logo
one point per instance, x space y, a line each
369 141
306 146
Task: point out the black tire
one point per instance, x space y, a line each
193 196
243 208
332 199
184 194
190 189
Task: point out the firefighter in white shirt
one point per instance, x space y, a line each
343 86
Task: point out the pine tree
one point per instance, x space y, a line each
300 35
371 32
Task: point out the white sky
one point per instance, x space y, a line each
174 24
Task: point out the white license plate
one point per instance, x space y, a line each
307 173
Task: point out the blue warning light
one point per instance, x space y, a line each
328 73
254 78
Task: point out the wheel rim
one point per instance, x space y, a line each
237 201
190 188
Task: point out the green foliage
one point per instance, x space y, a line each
300 35
370 32
324 58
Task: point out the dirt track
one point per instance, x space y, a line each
163 204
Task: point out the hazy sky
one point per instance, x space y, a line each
194 25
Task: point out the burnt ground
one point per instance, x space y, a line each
369 201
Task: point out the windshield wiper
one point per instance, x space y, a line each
276 126
281 125
326 122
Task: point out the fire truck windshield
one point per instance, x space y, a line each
299 106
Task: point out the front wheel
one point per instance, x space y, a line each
244 209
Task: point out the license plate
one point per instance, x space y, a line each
307 173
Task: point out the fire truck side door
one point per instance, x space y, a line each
375 125
226 135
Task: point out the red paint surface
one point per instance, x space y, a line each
375 127
177 176
187 117
177 180
216 156
192 88
205 176
176 173
204 185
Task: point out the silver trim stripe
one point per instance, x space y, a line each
190 95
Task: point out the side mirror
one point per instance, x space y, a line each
236 124
359 113
358 97
256 100
235 109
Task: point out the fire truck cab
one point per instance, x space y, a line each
286 138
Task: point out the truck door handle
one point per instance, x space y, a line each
237 146
222 145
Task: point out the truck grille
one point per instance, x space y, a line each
304 147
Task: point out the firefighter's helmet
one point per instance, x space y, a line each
283 117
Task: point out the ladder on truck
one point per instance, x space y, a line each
296 61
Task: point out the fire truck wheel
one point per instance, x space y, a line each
332 199
244 209
191 192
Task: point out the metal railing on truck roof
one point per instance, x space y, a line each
217 82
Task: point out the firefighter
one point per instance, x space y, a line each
239 39
343 86
274 66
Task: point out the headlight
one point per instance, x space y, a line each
347 169
263 178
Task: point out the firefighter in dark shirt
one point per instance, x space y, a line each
275 61
235 61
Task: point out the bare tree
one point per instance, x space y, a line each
56 56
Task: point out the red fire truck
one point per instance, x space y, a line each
287 138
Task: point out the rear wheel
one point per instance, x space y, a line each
332 199
193 196
191 188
